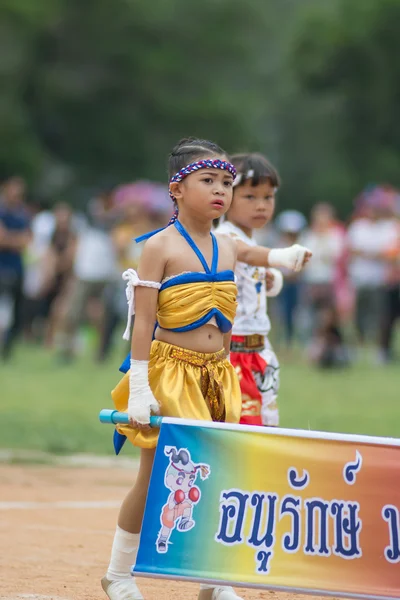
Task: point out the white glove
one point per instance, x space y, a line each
292 258
277 285
141 400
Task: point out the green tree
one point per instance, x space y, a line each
347 90
104 88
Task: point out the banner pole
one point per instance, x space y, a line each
115 417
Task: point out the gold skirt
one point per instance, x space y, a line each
188 385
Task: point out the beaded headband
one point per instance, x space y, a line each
184 172
202 164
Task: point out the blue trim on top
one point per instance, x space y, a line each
193 246
223 323
214 264
198 278
148 235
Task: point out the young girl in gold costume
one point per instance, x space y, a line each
184 300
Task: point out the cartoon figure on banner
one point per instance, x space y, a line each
180 477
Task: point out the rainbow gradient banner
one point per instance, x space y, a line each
274 509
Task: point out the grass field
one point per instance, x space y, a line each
54 408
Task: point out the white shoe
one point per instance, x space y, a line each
225 593
124 590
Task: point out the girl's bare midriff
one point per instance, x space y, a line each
204 339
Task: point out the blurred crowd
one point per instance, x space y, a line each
348 298
60 269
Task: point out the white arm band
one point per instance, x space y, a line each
291 258
132 280
141 401
277 285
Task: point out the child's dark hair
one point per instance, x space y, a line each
188 150
258 165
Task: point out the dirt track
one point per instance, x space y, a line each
56 530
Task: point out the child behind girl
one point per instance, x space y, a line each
252 356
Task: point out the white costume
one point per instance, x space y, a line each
251 353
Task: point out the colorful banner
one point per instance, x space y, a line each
275 509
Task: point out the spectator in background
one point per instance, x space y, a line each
140 206
325 241
328 349
369 236
290 224
94 267
391 312
135 220
42 227
57 268
14 238
102 210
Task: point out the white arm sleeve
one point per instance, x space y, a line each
132 280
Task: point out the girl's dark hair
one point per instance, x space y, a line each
259 164
188 150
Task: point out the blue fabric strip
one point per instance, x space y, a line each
223 323
198 278
126 365
214 265
148 235
118 440
192 244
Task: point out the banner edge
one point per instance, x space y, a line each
286 432
260 586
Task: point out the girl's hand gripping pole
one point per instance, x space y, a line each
108 415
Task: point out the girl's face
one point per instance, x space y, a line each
206 193
252 206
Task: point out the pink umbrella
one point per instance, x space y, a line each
159 199
147 194
379 197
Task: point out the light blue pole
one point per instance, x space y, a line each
108 415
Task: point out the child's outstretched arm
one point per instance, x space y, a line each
150 271
293 258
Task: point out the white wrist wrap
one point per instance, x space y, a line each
141 401
291 258
277 285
